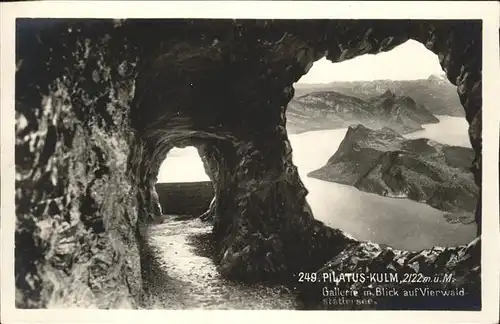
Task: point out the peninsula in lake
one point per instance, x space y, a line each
384 162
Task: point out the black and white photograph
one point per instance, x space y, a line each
225 163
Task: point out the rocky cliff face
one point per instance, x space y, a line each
329 109
99 103
383 162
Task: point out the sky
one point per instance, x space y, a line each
408 61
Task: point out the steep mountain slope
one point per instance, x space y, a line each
330 109
322 110
401 110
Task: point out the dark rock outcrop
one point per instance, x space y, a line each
392 279
99 103
384 162
329 110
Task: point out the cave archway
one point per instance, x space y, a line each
213 94
222 86
397 101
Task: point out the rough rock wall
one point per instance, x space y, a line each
123 93
75 243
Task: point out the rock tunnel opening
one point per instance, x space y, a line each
262 222
348 118
183 186
120 101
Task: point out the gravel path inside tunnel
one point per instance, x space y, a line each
189 278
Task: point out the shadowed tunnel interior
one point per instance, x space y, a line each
99 104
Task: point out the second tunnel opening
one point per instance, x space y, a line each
183 186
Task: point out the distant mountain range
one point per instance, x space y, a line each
385 163
331 109
436 93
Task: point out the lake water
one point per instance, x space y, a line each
400 223
449 130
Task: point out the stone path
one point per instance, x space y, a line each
190 279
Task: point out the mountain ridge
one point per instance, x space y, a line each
331 109
436 93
